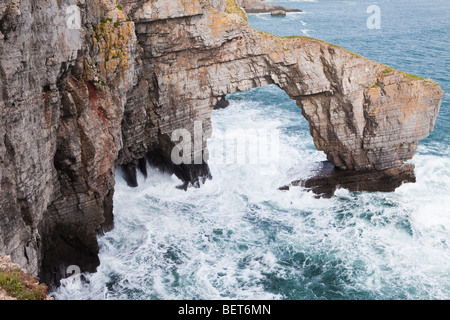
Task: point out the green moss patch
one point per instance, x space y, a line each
16 284
233 7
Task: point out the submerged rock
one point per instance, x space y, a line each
278 13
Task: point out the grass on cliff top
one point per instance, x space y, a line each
327 43
409 76
387 70
14 283
413 76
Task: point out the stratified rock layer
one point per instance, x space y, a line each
77 102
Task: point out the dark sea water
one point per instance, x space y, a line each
238 237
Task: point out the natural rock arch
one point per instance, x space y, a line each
77 103
362 114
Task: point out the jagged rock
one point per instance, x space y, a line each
142 166
129 174
222 104
191 174
326 179
76 103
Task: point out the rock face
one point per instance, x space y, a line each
82 96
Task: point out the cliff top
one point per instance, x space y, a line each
17 284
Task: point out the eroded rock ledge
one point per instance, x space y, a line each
326 179
77 102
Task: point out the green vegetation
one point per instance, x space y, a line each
327 43
233 7
97 36
14 284
267 34
110 43
432 82
120 7
388 70
298 37
101 34
105 20
376 85
348 51
407 75
413 76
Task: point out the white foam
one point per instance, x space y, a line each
226 239
306 32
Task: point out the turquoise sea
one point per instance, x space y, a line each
238 237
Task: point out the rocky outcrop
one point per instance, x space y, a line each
278 13
77 101
326 179
18 284
260 6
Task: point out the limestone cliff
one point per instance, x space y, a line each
82 96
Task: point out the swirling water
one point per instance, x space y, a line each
238 237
